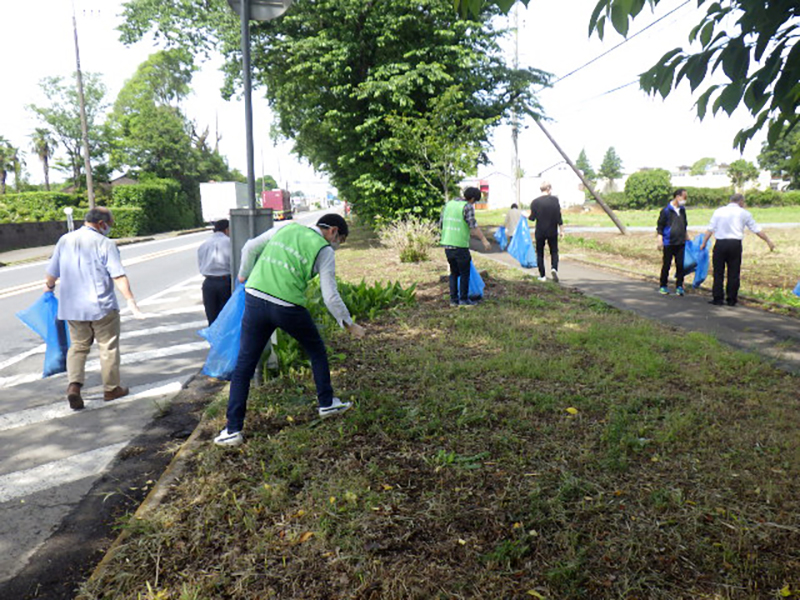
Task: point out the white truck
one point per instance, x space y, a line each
219 197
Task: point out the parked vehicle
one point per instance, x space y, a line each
280 203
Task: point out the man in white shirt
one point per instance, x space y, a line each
89 266
728 224
278 265
214 263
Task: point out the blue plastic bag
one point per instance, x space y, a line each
500 237
696 261
476 285
521 246
223 335
42 318
797 289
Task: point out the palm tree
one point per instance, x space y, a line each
44 145
6 162
17 163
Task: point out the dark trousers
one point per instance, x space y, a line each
260 319
552 243
673 251
727 253
216 292
459 260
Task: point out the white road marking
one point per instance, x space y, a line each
127 359
57 472
15 359
58 410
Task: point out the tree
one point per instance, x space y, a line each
740 172
44 145
442 145
62 115
645 189
611 167
701 167
266 182
6 162
758 54
336 73
782 158
585 166
474 7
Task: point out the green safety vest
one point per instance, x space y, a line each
455 231
286 264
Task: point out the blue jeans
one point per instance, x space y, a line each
260 319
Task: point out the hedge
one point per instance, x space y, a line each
129 221
164 205
38 206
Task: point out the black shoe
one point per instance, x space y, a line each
729 303
715 302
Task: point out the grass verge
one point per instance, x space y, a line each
540 445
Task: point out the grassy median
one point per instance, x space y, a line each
540 445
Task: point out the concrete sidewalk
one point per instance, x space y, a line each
775 337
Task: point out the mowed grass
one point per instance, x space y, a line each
595 217
540 445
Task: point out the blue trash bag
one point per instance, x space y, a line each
42 318
797 289
476 285
500 238
521 246
696 261
223 335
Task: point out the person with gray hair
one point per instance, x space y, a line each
728 224
89 267
546 212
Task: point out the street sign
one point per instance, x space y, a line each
262 10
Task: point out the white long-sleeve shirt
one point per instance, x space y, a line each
324 266
729 222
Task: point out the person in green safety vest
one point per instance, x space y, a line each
277 267
458 223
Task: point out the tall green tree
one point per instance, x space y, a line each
740 172
701 166
753 41
44 146
611 167
6 162
62 116
337 73
782 158
585 166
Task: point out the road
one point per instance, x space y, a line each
51 456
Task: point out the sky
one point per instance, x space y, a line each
645 131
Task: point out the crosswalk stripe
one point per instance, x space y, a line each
58 410
127 359
58 472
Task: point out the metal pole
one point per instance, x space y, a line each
84 127
514 115
585 181
248 115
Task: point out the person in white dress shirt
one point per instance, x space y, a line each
727 225
214 263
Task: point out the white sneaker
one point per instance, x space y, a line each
542 278
554 273
229 439
337 407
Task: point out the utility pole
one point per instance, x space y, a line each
84 127
514 114
585 181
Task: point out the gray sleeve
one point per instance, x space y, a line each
325 266
54 267
113 261
252 250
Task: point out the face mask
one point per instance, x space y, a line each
336 243
681 202
105 229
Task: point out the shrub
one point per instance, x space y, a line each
37 206
708 197
616 200
129 221
164 205
647 189
411 238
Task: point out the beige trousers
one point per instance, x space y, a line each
82 334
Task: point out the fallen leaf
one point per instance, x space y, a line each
573 411
387 487
535 594
462 542
290 418
785 591
305 537
332 500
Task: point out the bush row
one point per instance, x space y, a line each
29 207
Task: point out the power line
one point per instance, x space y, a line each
625 41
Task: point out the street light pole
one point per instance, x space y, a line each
84 127
248 114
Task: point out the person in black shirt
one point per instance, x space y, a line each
546 212
671 233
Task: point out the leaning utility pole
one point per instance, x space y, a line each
84 127
585 181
